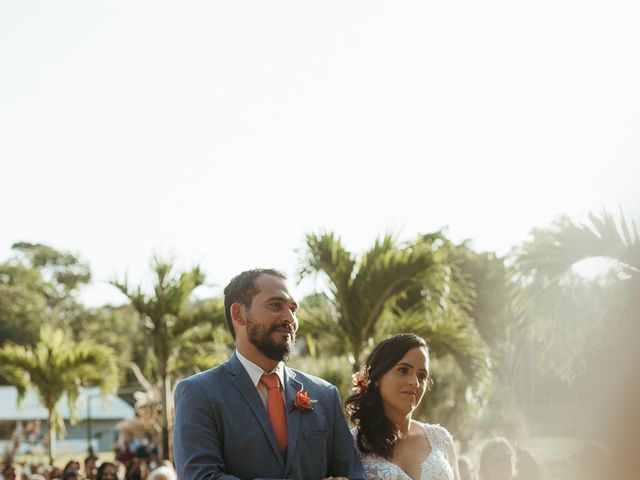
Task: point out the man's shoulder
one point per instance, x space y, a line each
207 377
308 379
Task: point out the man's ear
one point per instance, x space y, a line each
238 313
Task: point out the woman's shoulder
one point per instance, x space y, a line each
437 432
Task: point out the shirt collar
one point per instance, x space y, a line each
255 372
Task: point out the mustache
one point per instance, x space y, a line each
287 325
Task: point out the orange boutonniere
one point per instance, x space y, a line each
303 402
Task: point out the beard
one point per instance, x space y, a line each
260 337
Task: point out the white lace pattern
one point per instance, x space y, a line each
435 467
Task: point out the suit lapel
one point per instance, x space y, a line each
242 382
294 415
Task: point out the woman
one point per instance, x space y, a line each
391 444
497 460
107 471
71 466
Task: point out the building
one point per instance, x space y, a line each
97 418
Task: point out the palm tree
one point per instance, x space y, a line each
560 309
552 252
167 317
56 366
361 293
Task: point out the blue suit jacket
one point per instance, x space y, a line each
222 430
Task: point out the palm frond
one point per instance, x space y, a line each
326 254
385 274
553 251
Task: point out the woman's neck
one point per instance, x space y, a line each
403 422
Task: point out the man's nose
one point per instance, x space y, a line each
292 319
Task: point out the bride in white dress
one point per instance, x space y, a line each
393 446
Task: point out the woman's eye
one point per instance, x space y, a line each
403 369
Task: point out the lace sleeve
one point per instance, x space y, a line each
445 439
378 469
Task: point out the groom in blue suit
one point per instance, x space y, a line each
252 416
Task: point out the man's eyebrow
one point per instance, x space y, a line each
281 298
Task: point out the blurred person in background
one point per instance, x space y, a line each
497 460
71 475
121 470
527 466
107 471
12 471
137 469
71 466
90 467
53 473
466 470
163 472
592 462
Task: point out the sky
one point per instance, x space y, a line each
223 132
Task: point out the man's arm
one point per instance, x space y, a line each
344 459
197 446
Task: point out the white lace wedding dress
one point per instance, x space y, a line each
439 465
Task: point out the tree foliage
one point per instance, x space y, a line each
361 290
169 320
570 317
55 366
38 285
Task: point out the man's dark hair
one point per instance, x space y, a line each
242 288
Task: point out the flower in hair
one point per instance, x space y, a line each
360 380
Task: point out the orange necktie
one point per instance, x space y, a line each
275 407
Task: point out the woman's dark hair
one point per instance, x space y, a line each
69 464
103 467
70 475
376 433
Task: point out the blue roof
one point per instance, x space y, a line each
111 407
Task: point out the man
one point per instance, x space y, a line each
252 416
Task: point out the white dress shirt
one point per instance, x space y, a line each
255 373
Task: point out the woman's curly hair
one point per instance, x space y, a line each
376 433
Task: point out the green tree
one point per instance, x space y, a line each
418 287
62 273
370 298
116 327
38 284
56 366
22 304
567 316
446 308
168 319
361 290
